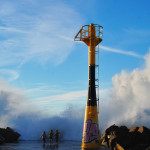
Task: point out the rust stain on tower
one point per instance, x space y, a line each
91 35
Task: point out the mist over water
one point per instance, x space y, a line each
129 105
17 112
30 128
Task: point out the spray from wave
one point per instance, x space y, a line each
129 105
16 112
129 99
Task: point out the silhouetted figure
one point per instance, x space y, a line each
57 134
51 136
43 136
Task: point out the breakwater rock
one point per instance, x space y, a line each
122 138
8 135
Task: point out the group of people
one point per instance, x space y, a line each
51 136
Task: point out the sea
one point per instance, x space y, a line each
38 145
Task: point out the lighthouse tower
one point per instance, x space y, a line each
91 35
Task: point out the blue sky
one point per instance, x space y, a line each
39 57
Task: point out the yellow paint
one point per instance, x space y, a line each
91 113
92 45
118 147
92 41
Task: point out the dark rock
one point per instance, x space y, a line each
134 129
9 135
2 139
119 138
123 129
112 130
143 129
148 148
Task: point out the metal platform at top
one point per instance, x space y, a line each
84 32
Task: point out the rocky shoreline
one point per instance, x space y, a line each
8 135
122 138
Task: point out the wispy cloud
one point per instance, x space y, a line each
66 38
136 32
70 97
9 75
120 51
43 89
28 33
113 50
62 101
10 29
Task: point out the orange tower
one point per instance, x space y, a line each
91 35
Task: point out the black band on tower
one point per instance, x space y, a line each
91 100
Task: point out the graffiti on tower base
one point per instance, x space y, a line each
90 132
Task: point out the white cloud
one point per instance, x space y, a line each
119 51
35 32
129 99
10 29
13 104
74 97
60 102
9 75
114 50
